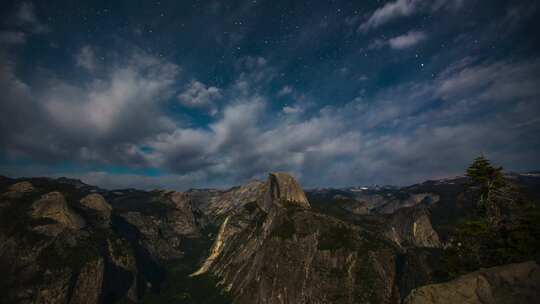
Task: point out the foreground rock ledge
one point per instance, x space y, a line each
512 283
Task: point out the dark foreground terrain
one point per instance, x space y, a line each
62 241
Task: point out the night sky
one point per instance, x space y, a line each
180 94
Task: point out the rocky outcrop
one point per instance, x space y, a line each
155 236
161 220
21 187
15 191
513 283
96 202
53 206
218 204
122 271
282 190
181 219
98 209
89 283
412 227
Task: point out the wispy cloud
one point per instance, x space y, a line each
408 40
401 42
402 8
390 11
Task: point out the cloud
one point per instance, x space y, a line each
86 58
389 11
20 24
128 97
403 8
292 110
103 119
402 42
494 82
197 95
406 41
255 70
286 90
401 134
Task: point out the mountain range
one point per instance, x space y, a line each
63 241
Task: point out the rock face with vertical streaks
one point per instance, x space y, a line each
411 227
282 190
276 250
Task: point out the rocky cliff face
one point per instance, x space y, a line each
276 250
158 221
411 227
217 204
53 206
49 252
282 191
62 241
513 283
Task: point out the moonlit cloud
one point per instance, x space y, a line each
401 42
389 11
198 95
403 8
153 111
406 41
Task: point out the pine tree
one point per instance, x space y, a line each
486 180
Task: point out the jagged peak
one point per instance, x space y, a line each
282 190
